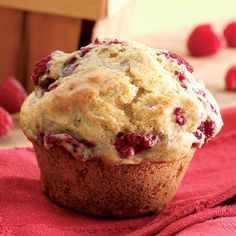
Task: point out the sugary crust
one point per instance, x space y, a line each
122 87
95 188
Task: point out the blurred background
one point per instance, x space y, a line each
159 16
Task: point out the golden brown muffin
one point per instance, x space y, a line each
114 126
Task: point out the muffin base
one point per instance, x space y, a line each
97 189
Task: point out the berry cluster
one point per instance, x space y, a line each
205 41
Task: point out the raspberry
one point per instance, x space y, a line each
180 60
204 41
198 135
40 69
132 143
201 127
84 51
230 34
12 95
230 79
128 151
5 122
208 128
181 76
180 120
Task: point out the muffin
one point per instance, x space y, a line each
115 125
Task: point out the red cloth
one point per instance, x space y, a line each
199 205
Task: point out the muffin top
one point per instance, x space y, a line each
120 101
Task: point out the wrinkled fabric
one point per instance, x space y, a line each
205 203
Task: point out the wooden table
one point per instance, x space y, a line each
209 69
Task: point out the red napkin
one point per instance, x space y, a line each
205 201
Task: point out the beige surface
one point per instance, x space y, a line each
210 69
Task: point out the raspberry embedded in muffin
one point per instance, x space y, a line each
40 69
131 143
112 85
178 112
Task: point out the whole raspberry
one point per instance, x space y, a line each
5 122
204 41
230 79
40 69
12 95
230 34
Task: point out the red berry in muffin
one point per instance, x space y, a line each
40 69
178 112
131 143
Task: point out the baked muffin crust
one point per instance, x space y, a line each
110 88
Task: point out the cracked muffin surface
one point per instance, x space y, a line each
120 101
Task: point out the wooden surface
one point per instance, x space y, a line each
11 23
88 9
82 9
209 69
